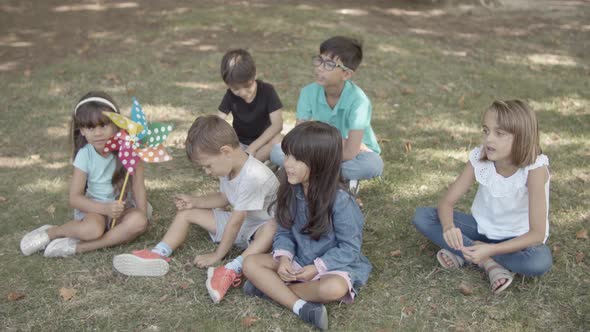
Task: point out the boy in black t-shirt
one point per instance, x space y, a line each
254 104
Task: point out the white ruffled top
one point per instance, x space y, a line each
501 204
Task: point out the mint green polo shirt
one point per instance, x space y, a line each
352 112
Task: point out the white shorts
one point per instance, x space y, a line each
246 233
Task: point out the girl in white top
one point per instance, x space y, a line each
96 182
509 225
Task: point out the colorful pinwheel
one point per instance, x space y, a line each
137 140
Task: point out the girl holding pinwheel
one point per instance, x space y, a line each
97 182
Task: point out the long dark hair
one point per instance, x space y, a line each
319 146
89 115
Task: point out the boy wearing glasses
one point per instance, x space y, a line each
334 99
254 105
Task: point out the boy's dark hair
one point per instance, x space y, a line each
237 67
207 135
319 146
348 50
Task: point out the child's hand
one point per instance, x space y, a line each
206 260
184 202
477 253
307 273
250 151
285 270
365 148
453 238
115 209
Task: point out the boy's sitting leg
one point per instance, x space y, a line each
154 262
277 156
219 279
366 165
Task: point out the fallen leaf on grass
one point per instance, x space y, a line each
407 91
409 310
465 290
461 101
15 296
3 199
163 298
184 285
396 253
582 234
556 249
249 321
67 293
113 78
51 210
408 147
580 257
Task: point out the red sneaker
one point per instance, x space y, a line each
219 280
142 263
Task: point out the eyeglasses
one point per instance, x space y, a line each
328 64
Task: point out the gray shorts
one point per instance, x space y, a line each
246 233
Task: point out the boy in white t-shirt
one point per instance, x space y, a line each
246 184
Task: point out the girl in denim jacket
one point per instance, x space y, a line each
317 254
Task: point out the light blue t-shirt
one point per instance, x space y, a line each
99 172
352 112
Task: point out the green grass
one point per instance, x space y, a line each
429 79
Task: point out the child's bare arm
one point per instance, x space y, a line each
464 181
221 115
78 199
352 145
275 128
209 201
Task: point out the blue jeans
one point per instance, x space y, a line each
532 261
365 165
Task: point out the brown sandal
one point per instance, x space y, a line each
457 260
497 272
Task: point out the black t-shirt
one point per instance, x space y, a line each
251 120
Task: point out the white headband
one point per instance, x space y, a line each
96 99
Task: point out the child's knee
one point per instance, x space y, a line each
93 229
248 265
137 221
333 290
539 264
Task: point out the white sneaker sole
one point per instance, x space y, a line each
131 265
212 292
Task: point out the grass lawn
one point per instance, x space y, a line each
430 69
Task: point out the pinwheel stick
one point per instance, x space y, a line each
114 222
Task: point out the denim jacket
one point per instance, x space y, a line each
339 249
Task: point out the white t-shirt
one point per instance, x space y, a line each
252 190
99 172
501 204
